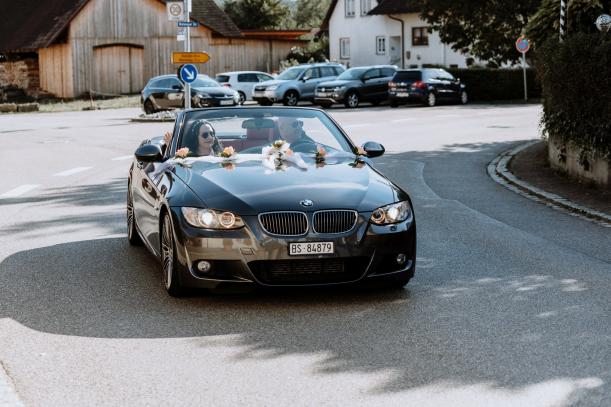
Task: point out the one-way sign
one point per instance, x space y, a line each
188 24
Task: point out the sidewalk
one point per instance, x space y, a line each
531 165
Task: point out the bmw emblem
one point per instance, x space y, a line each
307 203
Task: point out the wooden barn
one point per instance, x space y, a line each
71 47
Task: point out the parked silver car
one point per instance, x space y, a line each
243 82
296 83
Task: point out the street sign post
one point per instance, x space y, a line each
523 45
190 58
191 24
187 73
175 10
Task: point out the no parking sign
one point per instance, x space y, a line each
523 44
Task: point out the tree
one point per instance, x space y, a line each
309 14
257 14
581 14
486 29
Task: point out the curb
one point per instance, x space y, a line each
498 171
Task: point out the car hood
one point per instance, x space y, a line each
247 187
219 91
273 82
335 83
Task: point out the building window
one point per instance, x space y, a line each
350 7
344 48
380 45
365 7
420 36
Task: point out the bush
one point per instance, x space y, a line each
576 80
484 84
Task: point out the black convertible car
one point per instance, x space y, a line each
267 197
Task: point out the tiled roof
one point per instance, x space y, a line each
27 25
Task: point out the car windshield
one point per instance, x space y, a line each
204 83
291 73
352 73
249 130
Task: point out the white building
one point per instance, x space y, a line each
370 32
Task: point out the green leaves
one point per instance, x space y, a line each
486 29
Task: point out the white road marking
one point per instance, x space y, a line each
403 120
123 158
14 193
71 172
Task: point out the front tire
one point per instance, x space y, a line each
132 233
149 108
431 100
242 98
352 100
168 258
291 98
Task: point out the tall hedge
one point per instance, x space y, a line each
497 84
576 80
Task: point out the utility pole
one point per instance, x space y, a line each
188 49
562 19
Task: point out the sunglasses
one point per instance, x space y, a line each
205 135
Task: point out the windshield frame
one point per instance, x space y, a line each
301 70
361 72
184 116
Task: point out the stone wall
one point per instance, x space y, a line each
566 158
22 74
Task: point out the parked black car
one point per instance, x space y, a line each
426 86
166 92
356 85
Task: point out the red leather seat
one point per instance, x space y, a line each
258 137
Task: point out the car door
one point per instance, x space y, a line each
452 85
371 84
145 197
387 75
246 83
309 79
175 93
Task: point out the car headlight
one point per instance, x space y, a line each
393 213
211 219
338 88
203 95
272 87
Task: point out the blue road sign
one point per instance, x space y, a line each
188 24
187 73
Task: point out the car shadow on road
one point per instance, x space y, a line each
466 333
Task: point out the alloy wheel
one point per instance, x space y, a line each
132 234
464 98
352 100
291 99
431 100
242 98
167 253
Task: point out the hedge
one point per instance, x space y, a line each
498 84
576 79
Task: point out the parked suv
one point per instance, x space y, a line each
167 92
243 82
356 85
295 84
427 86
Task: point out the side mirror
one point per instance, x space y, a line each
373 149
149 153
305 79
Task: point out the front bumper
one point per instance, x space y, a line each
249 256
329 97
213 101
266 96
406 95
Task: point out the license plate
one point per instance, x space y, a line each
403 94
259 94
304 249
226 102
323 94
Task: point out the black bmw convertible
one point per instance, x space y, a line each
267 196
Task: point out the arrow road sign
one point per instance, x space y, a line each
187 73
190 57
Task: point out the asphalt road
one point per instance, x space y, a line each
510 305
